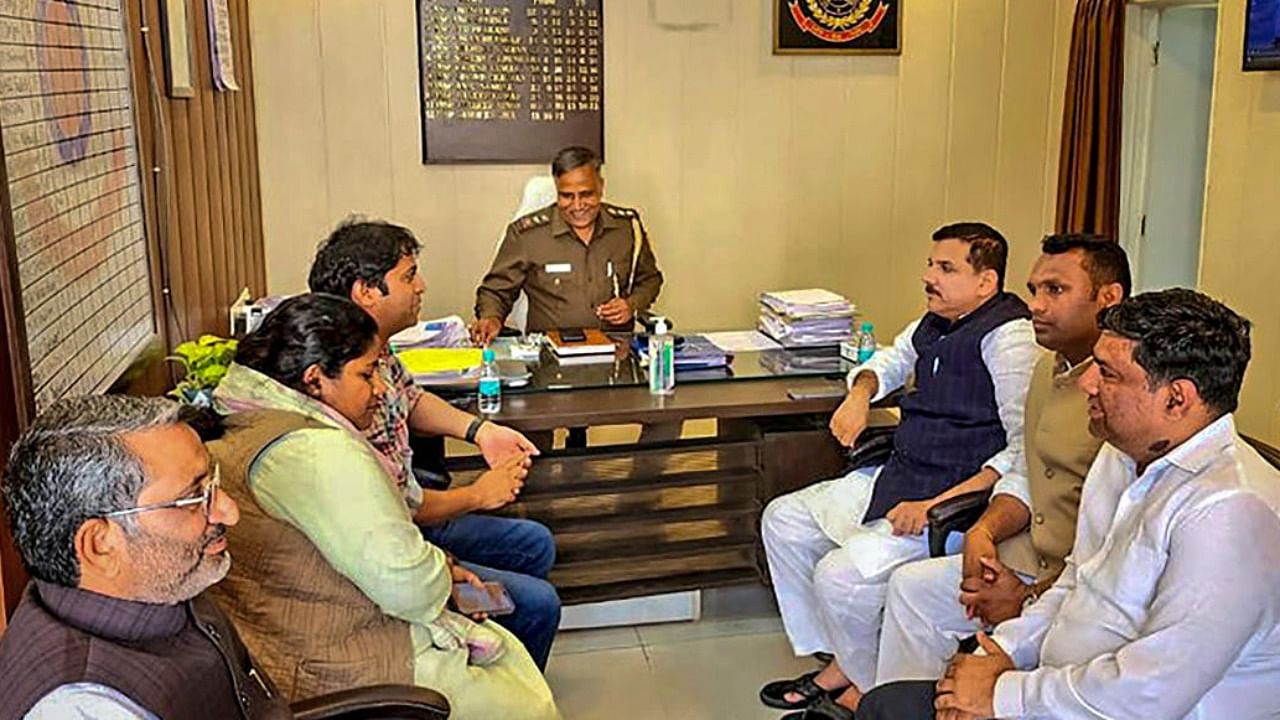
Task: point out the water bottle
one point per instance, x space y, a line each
490 385
866 342
662 359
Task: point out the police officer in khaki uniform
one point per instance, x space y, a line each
583 263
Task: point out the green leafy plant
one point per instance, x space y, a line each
206 361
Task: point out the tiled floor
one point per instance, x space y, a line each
711 669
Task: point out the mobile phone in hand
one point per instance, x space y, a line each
492 600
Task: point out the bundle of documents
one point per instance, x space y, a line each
595 342
448 332
693 352
806 318
794 362
442 366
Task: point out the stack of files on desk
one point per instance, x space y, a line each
693 352
448 332
596 343
791 362
806 318
442 366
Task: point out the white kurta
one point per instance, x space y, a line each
829 569
1169 606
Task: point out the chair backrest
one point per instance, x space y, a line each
539 192
1268 452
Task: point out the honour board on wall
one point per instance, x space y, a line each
66 115
510 81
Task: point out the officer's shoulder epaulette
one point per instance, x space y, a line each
621 212
537 218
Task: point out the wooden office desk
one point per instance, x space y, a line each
637 520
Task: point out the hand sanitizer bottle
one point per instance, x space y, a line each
662 359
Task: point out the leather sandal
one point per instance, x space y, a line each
775 693
824 708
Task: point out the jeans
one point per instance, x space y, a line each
518 554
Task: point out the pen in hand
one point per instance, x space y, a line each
614 278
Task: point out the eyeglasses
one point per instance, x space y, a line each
205 498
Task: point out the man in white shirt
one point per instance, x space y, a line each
1169 604
832 546
1015 551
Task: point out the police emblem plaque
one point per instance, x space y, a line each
837 27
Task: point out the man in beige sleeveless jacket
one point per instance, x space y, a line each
1015 551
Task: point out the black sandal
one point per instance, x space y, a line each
825 708
775 693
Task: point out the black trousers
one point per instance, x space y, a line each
910 700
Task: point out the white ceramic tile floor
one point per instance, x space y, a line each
705 670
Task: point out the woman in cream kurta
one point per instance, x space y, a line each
329 484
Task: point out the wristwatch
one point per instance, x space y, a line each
474 429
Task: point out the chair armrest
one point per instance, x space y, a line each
375 702
955 514
873 447
1268 453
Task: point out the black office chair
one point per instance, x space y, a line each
376 702
429 466
957 514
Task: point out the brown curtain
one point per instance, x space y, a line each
1089 164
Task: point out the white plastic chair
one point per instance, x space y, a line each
539 192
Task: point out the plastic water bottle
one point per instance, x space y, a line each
866 342
662 359
490 385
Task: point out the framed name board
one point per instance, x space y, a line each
510 81
75 193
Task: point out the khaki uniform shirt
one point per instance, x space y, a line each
565 278
1059 451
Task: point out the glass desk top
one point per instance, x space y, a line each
624 369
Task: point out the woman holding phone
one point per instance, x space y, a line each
333 585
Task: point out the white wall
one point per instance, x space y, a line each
753 171
1240 255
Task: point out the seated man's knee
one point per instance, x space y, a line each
834 576
540 597
909 580
542 549
777 517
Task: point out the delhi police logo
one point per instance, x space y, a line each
838 21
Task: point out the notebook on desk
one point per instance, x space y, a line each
596 343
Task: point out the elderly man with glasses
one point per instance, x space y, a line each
116 512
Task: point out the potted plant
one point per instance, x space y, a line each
206 361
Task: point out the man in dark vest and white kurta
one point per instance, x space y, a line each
832 546
116 512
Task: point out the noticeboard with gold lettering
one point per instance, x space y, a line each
75 193
837 27
510 81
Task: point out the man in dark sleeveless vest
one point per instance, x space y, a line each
116 512
832 546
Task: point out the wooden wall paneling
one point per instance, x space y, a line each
247 137
204 169
229 147
149 374
207 195
17 402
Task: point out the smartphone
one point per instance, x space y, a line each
493 600
573 335
817 393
